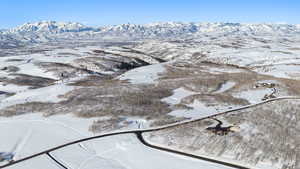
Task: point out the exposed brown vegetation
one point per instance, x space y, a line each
268 134
27 80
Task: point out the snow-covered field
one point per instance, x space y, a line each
199 110
125 151
115 75
28 134
45 94
116 152
143 75
38 162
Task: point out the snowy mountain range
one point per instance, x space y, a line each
50 27
45 31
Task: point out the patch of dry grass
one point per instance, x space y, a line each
214 99
28 80
294 49
109 98
269 134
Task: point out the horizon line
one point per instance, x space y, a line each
149 23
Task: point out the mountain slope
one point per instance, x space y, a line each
51 27
46 31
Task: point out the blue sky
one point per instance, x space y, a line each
109 12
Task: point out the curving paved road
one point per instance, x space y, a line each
57 162
139 132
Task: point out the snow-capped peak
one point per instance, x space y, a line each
50 27
158 28
45 31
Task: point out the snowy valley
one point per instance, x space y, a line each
190 95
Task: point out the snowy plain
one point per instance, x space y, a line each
268 49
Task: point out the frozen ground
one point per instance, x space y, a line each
271 146
39 162
125 151
178 95
198 110
116 152
143 75
26 131
224 87
55 92
45 94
